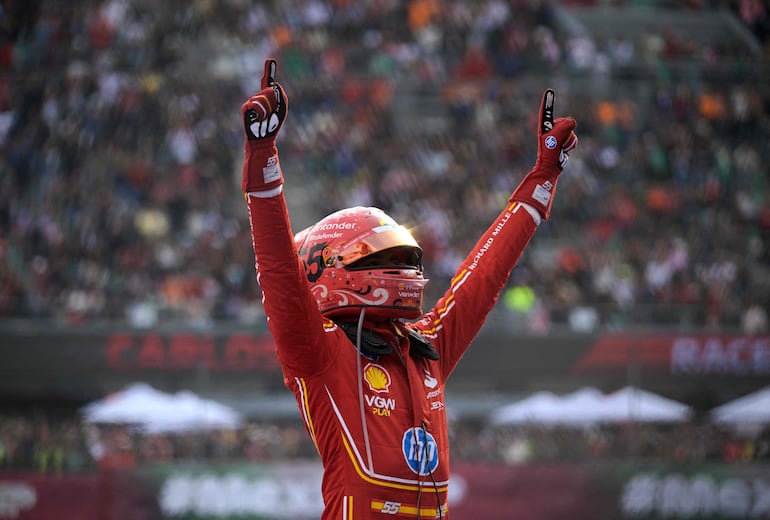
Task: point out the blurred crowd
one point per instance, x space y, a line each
121 148
53 443
687 443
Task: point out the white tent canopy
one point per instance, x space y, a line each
635 404
581 407
589 406
152 410
753 408
576 408
540 407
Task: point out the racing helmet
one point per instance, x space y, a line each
361 258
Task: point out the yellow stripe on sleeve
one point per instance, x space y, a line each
306 410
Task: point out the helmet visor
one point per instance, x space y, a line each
379 239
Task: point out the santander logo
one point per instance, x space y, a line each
430 381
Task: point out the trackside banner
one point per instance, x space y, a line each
700 493
697 354
39 362
489 491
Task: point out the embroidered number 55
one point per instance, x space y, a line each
390 508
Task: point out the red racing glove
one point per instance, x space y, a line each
263 115
555 139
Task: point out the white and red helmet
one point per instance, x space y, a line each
360 257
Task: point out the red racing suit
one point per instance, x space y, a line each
379 422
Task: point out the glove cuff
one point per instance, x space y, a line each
537 189
261 168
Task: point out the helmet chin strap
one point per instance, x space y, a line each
359 374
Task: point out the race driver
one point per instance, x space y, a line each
344 305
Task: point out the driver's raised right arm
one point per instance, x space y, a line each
294 320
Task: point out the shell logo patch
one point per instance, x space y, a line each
377 378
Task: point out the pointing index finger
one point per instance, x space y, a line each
546 111
268 78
